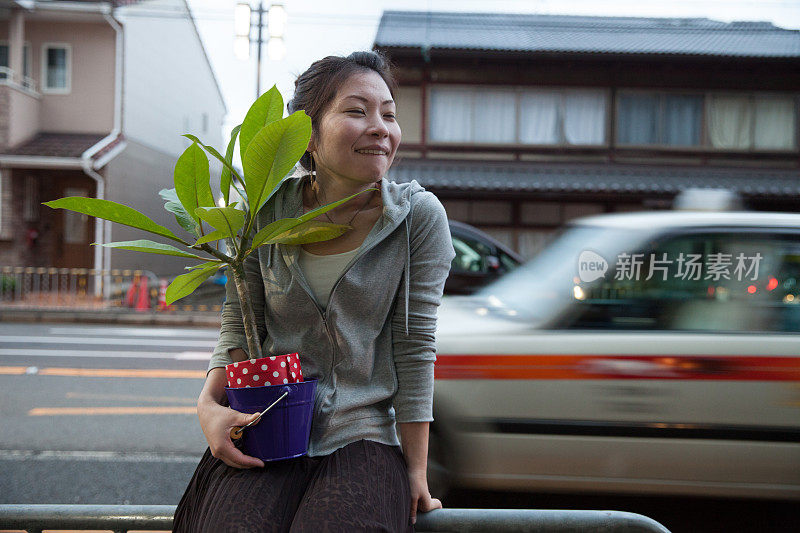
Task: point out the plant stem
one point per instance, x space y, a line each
248 316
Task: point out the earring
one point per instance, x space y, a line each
313 168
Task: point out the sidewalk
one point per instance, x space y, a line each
209 319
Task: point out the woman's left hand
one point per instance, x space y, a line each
420 495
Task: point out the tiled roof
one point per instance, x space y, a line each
57 144
477 176
589 35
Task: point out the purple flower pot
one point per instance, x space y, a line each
283 432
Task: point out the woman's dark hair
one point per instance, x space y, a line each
315 88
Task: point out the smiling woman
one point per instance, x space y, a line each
361 311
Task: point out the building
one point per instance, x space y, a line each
94 97
521 122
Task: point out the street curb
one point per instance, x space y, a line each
210 320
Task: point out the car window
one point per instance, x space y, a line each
508 263
470 255
706 281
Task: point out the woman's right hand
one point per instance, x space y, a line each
216 420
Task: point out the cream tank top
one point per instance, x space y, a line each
322 271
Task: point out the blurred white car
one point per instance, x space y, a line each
640 353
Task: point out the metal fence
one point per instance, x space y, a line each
89 289
123 518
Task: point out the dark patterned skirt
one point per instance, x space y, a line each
360 487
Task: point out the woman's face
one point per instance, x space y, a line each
358 134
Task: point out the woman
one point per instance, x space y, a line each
361 311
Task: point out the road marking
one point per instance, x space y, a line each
137 332
108 341
108 372
57 352
193 356
101 456
123 373
61 411
130 397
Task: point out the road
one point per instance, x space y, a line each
105 414
99 414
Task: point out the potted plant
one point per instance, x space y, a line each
270 147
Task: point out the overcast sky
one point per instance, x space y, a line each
317 28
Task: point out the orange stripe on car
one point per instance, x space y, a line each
672 367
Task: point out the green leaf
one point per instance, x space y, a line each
310 231
273 152
314 213
144 245
185 284
192 180
228 220
274 229
213 236
108 210
225 178
268 232
265 110
174 206
226 164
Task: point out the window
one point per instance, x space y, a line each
751 122
76 225
517 116
715 281
575 117
660 119
472 115
30 210
470 255
4 60
56 66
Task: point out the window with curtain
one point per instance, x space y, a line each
473 114
659 119
584 117
566 116
757 122
774 127
56 68
512 116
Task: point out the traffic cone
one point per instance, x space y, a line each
162 297
130 296
143 301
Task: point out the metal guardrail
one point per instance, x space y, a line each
123 518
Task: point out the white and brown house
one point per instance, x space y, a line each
94 97
521 122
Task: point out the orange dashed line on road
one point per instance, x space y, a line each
59 411
122 373
105 372
13 370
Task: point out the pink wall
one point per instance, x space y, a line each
89 107
24 115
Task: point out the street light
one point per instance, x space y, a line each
276 27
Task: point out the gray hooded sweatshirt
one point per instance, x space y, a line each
373 348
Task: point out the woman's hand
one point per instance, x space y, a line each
420 495
216 420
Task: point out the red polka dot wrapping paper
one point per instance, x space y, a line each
270 370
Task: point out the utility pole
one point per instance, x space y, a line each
275 17
258 47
